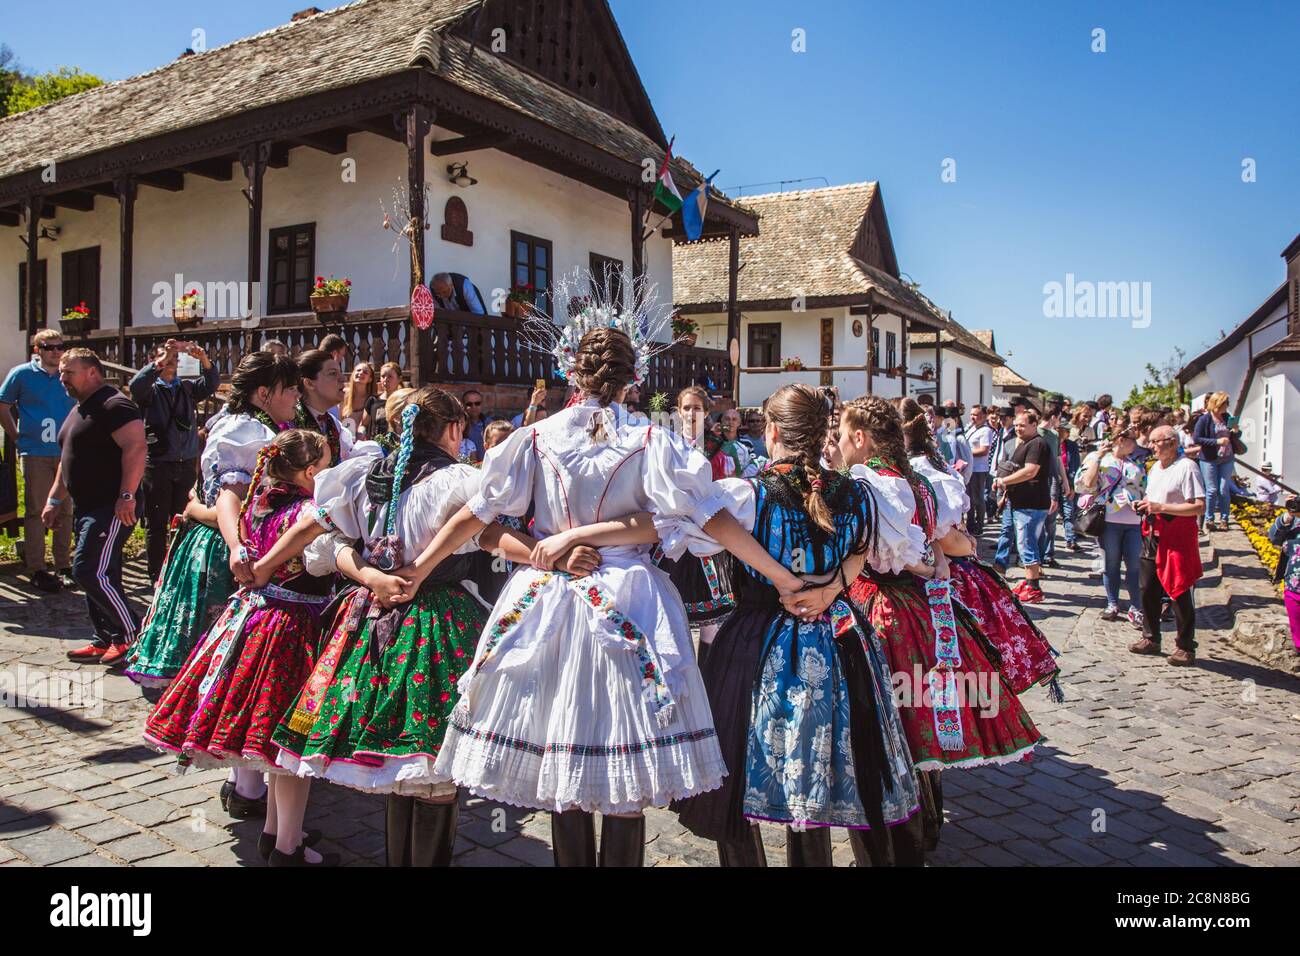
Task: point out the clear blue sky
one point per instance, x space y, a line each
1115 166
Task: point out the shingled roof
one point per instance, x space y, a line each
958 337
338 48
804 248
1005 377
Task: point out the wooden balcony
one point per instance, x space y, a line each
462 348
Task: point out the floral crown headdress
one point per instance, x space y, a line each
588 305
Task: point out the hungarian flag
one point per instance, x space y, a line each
693 208
665 189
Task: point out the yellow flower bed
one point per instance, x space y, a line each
1255 519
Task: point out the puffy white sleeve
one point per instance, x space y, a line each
427 506
680 489
341 501
230 454
677 536
951 499
899 540
506 478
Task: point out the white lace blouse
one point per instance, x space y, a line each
951 498
343 509
572 477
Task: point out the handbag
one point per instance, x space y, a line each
1238 446
1092 519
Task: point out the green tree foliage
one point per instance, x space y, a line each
11 74
31 92
1160 387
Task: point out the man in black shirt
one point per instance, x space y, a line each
103 456
1028 489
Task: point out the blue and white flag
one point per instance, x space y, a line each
693 208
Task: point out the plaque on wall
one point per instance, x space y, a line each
455 224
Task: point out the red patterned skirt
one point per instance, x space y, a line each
988 724
240 681
1027 657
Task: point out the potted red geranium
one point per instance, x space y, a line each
685 329
75 320
189 310
330 296
519 299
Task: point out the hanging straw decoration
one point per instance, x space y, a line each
421 297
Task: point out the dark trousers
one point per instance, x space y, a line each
977 487
97 566
1153 594
166 491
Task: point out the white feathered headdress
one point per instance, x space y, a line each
580 304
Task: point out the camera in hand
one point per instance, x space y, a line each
1293 504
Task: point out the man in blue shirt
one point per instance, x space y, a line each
33 392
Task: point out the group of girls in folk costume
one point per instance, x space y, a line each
798 686
373 713
957 707
224 706
270 393
197 578
1027 658
704 583
370 646
584 694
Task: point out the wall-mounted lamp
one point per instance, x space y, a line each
458 173
50 232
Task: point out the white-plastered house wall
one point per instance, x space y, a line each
201 231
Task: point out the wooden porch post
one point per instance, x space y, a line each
733 311
125 188
636 202
254 158
903 346
418 120
33 206
938 367
871 352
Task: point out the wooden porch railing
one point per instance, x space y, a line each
482 349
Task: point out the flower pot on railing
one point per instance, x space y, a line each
329 305
187 318
517 309
77 325
690 338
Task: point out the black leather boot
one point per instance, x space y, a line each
433 833
746 852
622 841
809 847
397 829
573 838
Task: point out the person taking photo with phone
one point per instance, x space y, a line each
169 404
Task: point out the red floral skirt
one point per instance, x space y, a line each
241 680
1027 657
989 720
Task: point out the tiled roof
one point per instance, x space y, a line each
803 248
1004 377
338 48
957 336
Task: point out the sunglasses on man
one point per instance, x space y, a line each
48 347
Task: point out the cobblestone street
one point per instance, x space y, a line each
1144 764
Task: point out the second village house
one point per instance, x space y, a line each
260 164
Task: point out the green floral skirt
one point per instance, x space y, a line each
193 589
377 724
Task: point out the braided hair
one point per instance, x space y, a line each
290 452
409 414
802 415
917 436
880 419
604 364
